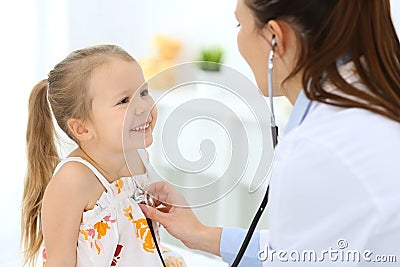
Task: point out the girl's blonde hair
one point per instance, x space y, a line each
64 94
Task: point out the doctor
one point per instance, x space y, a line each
335 186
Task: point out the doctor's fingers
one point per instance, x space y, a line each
180 222
156 214
171 219
164 193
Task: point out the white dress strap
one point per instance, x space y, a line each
99 176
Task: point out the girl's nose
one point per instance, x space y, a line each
141 107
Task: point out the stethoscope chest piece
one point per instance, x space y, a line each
142 197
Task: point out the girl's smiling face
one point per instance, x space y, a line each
115 86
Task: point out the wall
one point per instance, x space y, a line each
132 24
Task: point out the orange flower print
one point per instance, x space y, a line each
173 261
142 231
101 228
128 213
85 234
119 184
98 246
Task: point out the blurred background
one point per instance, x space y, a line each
36 34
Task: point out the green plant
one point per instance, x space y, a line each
211 58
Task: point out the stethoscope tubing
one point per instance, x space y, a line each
274 134
140 196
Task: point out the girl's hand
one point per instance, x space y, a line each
179 219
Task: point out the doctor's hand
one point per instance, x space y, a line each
179 220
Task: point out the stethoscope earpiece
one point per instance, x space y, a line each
273 42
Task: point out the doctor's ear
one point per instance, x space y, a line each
79 130
275 34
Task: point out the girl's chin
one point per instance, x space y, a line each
148 142
139 145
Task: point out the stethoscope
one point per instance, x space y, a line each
274 134
140 196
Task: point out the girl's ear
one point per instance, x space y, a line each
79 129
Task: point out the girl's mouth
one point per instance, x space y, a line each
142 129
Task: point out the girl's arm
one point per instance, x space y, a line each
65 199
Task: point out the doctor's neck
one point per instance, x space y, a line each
292 88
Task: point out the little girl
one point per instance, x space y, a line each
81 208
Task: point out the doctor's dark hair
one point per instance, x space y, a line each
328 29
65 95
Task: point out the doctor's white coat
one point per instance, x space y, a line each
335 191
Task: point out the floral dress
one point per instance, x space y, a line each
115 232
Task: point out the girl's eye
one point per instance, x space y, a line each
145 92
237 26
123 101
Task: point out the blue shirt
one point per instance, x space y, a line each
232 238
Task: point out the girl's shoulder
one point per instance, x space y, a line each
75 179
74 172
